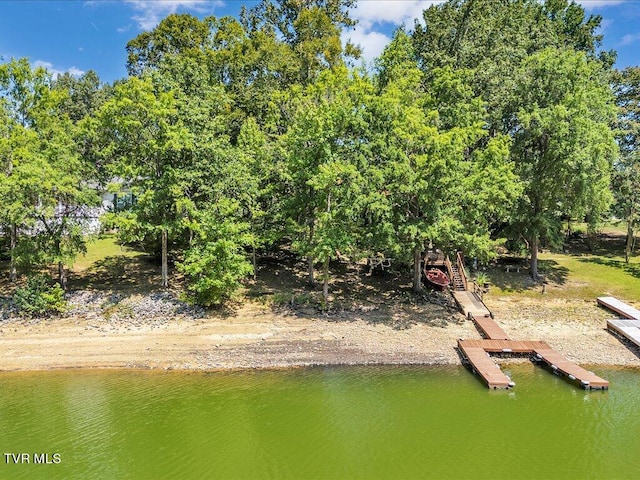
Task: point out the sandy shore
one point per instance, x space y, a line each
254 336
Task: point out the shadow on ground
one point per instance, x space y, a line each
378 296
632 269
514 281
120 274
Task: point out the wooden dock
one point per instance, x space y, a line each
629 329
559 364
470 304
621 308
482 364
476 352
489 328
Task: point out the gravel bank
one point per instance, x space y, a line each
159 331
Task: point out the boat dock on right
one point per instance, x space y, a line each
627 327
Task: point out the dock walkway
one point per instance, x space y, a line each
489 328
470 303
621 308
629 327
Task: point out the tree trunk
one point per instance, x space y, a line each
13 271
629 246
255 266
165 268
62 276
325 281
417 271
310 279
533 262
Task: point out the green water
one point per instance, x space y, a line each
329 423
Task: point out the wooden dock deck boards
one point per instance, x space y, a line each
619 307
490 328
504 346
486 368
575 372
629 329
469 303
476 351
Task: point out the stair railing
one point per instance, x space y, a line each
460 264
447 263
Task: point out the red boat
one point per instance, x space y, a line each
437 278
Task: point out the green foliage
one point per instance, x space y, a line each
39 297
626 176
564 146
44 189
214 270
537 67
481 278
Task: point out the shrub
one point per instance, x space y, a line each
214 271
39 297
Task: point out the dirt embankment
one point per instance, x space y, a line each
159 332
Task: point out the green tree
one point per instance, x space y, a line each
445 180
144 142
324 182
564 145
627 169
500 42
311 29
44 187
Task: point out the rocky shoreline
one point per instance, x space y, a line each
157 331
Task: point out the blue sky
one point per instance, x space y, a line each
77 36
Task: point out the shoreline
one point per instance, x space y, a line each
257 337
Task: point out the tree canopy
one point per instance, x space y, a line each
490 120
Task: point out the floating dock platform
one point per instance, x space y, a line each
560 365
629 326
629 329
477 352
621 308
482 364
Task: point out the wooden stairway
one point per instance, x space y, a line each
456 281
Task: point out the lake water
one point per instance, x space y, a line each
327 423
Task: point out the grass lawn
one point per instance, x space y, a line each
103 247
578 274
109 266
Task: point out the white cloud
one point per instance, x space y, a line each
396 12
152 11
372 43
591 4
124 29
55 72
371 14
629 39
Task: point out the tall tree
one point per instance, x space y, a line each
144 140
500 42
324 181
627 169
45 186
445 180
311 29
564 145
